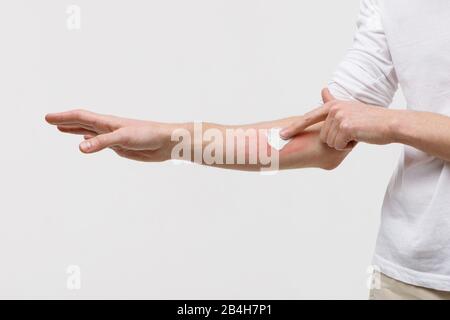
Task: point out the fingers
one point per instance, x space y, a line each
336 134
326 129
329 130
102 141
309 119
73 129
327 96
82 118
332 133
73 116
342 142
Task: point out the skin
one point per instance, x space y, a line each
321 138
151 141
349 122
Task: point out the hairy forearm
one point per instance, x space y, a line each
250 151
426 131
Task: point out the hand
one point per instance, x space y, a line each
346 122
133 139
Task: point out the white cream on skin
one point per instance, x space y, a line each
274 139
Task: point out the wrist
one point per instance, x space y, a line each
173 134
400 126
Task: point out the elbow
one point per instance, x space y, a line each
333 162
330 166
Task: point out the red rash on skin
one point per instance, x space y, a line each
297 144
294 146
301 151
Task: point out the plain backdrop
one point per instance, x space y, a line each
177 231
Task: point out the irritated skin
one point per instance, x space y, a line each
306 149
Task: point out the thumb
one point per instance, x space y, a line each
327 96
101 142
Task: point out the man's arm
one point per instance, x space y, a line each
364 85
425 131
303 151
347 122
154 142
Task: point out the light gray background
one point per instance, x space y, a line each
162 230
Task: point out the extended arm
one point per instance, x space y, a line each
152 142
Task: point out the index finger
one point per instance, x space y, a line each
309 119
73 116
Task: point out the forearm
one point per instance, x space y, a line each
245 147
428 132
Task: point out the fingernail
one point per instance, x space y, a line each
284 134
85 145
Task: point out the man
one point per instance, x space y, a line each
404 42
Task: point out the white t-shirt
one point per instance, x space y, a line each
407 43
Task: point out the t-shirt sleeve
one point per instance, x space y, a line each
367 72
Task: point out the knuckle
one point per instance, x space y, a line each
330 141
351 131
335 108
344 126
332 103
306 119
340 115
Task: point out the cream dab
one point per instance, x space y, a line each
274 139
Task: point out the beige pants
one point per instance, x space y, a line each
391 289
